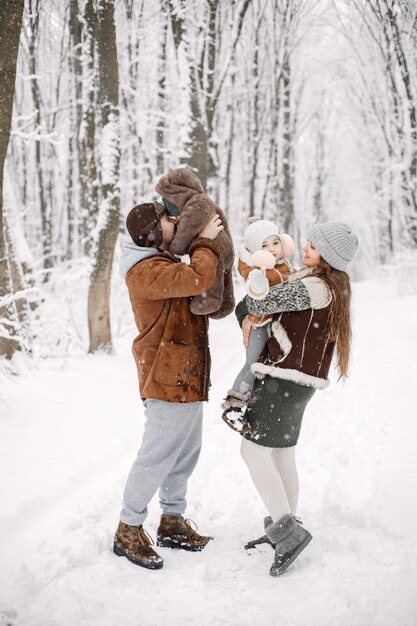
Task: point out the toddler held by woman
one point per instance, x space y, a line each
266 249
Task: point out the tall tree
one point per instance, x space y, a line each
75 183
87 133
135 159
108 222
287 17
208 70
42 201
11 15
162 105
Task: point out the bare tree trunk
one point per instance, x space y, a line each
11 14
198 135
287 191
320 176
390 215
23 288
76 180
108 223
177 24
212 147
271 191
88 169
411 178
162 70
71 177
197 145
255 130
44 207
205 85
229 145
134 13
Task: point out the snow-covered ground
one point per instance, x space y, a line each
69 432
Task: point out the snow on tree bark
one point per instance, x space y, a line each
87 130
107 228
11 15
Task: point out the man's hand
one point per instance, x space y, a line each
247 326
212 228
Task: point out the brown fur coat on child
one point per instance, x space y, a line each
184 189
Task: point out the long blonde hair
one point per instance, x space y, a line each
339 324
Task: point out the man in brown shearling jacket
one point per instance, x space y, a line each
173 363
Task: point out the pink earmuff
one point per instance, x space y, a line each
287 245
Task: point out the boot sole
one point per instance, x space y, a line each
169 543
146 564
277 572
242 430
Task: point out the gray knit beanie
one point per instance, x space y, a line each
335 241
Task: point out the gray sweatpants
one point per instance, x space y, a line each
257 341
168 454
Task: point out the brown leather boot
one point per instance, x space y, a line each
176 532
134 543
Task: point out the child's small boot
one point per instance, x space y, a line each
234 407
290 539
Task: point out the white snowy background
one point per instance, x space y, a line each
294 110
70 430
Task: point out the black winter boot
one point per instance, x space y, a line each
290 540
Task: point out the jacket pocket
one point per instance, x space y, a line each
172 364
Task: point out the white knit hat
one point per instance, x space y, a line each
257 232
335 241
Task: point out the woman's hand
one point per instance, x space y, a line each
212 228
247 326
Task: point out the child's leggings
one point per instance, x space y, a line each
257 341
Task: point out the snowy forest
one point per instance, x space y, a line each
295 111
298 111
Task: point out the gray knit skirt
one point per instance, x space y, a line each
275 411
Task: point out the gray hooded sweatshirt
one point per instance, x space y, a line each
132 254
